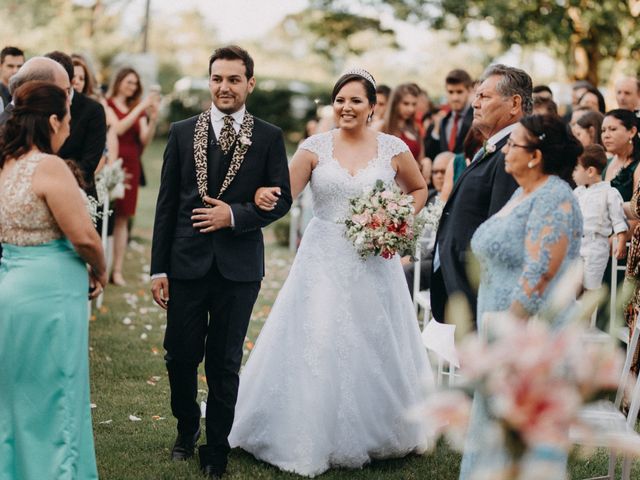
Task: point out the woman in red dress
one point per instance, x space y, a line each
400 118
135 127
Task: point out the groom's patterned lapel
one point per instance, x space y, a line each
200 144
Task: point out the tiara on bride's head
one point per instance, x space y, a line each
361 72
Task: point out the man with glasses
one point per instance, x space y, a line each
502 99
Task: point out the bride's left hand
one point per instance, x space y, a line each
267 197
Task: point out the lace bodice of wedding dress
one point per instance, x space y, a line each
332 185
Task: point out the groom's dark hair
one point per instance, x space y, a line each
233 52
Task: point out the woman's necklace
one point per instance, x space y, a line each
622 165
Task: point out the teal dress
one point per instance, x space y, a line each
45 413
514 249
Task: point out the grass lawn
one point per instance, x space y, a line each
133 426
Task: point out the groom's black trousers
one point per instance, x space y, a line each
208 318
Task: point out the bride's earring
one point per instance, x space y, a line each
531 164
370 117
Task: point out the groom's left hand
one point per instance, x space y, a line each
211 219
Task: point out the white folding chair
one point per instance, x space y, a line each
421 298
608 422
621 333
439 339
104 236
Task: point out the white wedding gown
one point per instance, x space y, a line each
340 362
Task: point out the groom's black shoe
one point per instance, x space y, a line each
212 472
184 447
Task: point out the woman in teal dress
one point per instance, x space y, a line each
523 250
47 236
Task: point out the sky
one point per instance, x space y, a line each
233 19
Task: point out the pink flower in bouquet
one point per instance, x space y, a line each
392 207
361 219
386 194
378 219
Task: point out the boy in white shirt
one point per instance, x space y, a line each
602 213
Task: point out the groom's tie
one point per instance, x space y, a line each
227 134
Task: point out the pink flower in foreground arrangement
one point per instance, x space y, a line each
533 381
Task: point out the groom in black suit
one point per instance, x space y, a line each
502 99
208 253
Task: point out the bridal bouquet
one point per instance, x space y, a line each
381 223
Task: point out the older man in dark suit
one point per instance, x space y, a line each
208 249
502 99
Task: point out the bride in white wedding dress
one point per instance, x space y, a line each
340 362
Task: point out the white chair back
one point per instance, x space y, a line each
626 369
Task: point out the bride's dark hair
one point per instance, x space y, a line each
352 77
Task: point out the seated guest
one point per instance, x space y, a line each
620 140
48 239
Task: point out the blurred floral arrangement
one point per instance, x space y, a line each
94 209
532 381
429 216
110 181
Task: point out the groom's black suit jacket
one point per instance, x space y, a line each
184 253
482 190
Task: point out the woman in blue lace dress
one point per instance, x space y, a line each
523 250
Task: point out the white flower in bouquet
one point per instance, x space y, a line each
111 181
381 222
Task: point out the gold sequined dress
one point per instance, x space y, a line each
45 413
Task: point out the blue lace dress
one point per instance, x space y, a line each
513 248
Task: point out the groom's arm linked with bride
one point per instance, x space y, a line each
208 248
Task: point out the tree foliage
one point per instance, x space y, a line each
339 33
582 33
